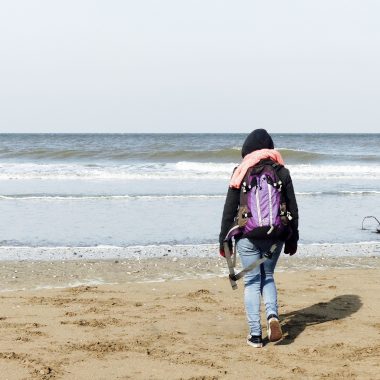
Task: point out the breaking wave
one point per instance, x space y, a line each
179 170
121 155
162 197
118 155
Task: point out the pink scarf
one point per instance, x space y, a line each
251 160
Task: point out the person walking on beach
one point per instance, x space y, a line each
257 153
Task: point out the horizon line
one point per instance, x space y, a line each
185 133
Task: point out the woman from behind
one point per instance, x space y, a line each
257 152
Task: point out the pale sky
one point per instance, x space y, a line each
189 66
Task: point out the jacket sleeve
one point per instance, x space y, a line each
229 212
292 207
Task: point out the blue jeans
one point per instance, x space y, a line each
259 281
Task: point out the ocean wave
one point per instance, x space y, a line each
118 155
302 156
296 155
49 197
149 171
180 170
333 172
163 197
166 154
219 155
340 193
49 153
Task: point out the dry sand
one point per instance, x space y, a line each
189 329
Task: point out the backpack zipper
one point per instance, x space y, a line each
258 206
270 204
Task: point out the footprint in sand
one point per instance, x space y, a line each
202 295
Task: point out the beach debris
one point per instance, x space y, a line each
371 217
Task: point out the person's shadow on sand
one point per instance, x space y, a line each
337 308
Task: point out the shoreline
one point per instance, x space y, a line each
138 252
27 275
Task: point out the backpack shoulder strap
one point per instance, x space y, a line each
245 187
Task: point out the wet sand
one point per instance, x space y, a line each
185 329
31 275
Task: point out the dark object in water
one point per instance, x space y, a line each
373 217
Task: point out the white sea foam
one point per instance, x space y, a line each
204 167
153 171
109 197
163 197
179 170
341 192
360 249
330 172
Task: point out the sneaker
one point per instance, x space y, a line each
274 328
255 341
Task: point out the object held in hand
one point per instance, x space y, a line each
233 277
290 247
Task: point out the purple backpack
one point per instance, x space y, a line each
262 210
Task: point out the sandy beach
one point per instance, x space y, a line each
192 328
137 138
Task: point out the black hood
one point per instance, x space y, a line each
256 140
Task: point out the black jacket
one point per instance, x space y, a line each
231 206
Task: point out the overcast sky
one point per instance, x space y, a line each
189 66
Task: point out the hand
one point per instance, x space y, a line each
221 250
290 247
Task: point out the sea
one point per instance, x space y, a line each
128 190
